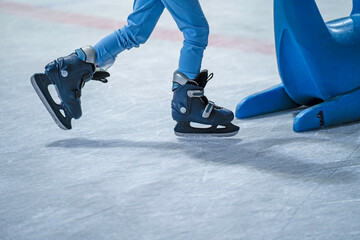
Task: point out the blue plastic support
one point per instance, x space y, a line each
356 7
326 114
280 101
318 62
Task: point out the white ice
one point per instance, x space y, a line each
122 174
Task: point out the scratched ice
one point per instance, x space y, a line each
122 174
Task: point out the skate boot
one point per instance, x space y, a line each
189 105
69 75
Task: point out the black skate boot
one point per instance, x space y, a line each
69 75
189 105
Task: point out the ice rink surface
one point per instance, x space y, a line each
122 174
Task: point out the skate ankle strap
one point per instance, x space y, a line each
179 79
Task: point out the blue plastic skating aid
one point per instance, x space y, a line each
318 62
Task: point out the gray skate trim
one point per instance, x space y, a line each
208 109
195 93
207 135
42 98
90 54
181 79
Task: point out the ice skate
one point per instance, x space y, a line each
69 75
189 105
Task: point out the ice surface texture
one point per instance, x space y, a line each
122 174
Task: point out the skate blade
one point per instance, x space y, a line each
183 129
47 105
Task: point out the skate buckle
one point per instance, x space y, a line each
208 109
195 93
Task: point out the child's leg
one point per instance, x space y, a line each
140 25
191 21
189 105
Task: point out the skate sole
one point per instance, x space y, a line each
46 104
205 135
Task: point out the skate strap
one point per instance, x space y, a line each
200 94
208 109
195 93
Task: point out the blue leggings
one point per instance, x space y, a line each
189 18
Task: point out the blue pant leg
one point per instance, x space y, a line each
191 21
140 25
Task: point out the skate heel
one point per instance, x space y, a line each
40 83
182 128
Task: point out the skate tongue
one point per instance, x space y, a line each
202 78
